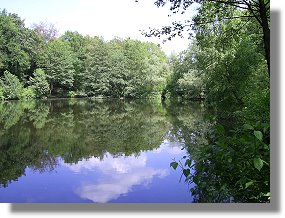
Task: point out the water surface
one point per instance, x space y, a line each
93 151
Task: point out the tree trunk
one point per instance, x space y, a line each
266 32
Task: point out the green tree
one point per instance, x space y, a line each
78 44
57 62
186 80
14 55
97 68
11 86
39 83
257 10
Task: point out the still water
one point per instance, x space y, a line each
93 151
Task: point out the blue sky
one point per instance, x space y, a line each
107 18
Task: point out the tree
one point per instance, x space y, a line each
78 45
253 9
40 83
57 62
186 80
13 45
11 86
120 75
97 68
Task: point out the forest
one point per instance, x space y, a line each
35 63
226 67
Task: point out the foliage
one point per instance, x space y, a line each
11 86
216 11
123 68
27 94
186 80
57 62
89 66
39 83
14 56
226 66
243 154
1 93
71 94
78 45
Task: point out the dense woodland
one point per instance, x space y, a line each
227 66
35 63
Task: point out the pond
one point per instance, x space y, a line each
99 151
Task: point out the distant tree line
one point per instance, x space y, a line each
35 63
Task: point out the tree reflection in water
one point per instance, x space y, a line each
35 134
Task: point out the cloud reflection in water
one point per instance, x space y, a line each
120 174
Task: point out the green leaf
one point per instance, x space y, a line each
258 163
220 129
247 126
174 165
267 194
188 162
248 184
258 135
186 172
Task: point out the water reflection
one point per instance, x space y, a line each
32 134
120 175
92 151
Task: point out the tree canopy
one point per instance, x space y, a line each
77 65
215 11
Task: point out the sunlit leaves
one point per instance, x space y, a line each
248 127
258 163
258 135
248 184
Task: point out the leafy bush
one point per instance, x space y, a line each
39 83
11 86
71 94
232 167
27 94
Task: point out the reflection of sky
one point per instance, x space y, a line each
121 175
145 178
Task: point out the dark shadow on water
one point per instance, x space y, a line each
274 206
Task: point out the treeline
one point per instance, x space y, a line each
225 65
34 63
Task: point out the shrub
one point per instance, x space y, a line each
11 86
71 94
39 83
27 94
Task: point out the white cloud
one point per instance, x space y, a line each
173 148
118 185
120 175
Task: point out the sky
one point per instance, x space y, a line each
106 18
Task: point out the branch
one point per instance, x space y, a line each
252 11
